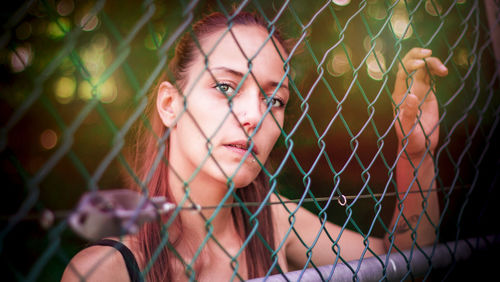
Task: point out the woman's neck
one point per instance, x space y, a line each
203 192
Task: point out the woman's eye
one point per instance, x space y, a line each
275 103
225 89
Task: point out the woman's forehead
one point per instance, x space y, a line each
241 46
250 39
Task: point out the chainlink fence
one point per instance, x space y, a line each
76 76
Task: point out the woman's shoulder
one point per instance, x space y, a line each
100 262
281 213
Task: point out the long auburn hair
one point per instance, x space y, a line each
147 145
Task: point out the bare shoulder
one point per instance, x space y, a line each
97 263
277 209
282 214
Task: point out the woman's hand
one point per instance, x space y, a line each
419 103
416 108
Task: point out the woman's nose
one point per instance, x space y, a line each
249 110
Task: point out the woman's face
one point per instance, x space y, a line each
208 121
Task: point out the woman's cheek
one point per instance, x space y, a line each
269 137
201 114
278 124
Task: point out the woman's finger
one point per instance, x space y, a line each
413 60
413 64
436 66
417 53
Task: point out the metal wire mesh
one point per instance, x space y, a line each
76 77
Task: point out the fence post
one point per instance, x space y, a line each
438 257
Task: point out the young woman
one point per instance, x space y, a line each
222 112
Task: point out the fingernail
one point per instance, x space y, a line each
426 51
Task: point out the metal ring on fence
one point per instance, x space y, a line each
343 201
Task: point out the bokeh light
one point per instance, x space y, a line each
100 42
65 89
379 44
400 24
96 55
47 219
339 64
57 30
341 2
431 6
89 22
149 41
21 58
65 7
84 90
376 11
48 139
463 58
106 92
375 65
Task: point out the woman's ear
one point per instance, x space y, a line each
167 103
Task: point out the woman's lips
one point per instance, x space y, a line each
240 147
236 149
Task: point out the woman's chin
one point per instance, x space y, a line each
233 172
242 176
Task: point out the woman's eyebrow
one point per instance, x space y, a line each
239 74
278 84
226 69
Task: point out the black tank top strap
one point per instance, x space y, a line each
130 262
